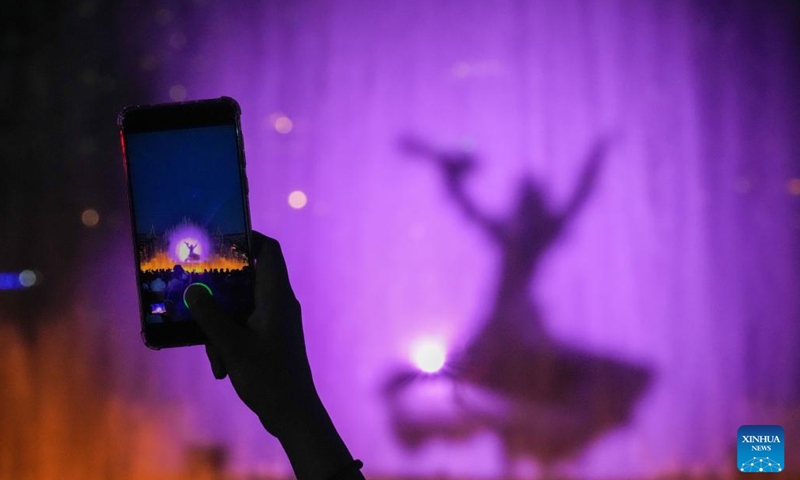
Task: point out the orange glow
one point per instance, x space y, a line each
793 186
162 262
66 423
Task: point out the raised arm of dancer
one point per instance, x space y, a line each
586 182
454 178
455 166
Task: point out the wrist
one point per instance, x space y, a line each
314 447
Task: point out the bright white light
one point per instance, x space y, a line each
297 199
189 250
428 354
27 278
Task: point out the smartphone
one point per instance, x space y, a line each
187 190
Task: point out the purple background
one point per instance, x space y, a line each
684 260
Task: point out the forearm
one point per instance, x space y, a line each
315 449
470 210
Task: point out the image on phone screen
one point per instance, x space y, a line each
190 220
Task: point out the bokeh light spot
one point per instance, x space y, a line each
461 70
743 185
177 93
148 63
177 40
90 217
164 16
793 186
428 354
27 278
416 231
298 199
283 124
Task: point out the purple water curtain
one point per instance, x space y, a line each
680 262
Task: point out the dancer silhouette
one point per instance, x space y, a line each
561 397
191 257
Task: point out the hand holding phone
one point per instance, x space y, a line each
196 274
267 364
187 190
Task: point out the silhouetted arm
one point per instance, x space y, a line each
586 182
268 367
455 167
455 186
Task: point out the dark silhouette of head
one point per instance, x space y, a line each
531 197
177 271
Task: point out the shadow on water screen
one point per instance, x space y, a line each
189 217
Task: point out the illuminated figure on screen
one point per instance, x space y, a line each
545 399
191 256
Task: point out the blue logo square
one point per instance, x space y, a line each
760 449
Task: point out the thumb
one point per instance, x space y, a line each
222 332
217 364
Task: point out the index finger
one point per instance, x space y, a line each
222 332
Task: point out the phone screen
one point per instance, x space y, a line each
190 219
